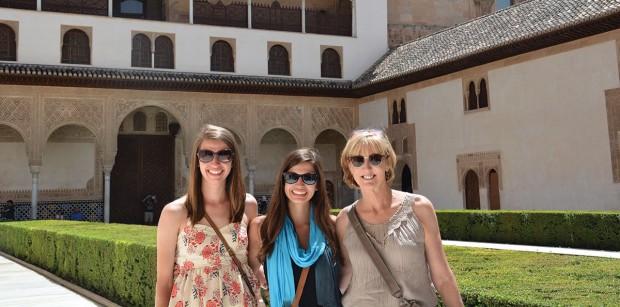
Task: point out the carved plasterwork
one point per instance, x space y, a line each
62 110
332 117
481 163
270 116
234 116
612 98
17 111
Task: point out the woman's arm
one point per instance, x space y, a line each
442 275
172 217
254 248
342 222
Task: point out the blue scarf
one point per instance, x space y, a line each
280 269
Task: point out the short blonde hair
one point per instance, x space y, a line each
378 142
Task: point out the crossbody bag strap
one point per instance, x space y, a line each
300 286
231 253
395 289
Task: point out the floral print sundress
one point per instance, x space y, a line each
204 272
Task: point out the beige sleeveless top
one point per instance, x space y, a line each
400 241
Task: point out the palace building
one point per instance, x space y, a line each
488 104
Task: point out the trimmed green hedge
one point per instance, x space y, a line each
575 229
115 261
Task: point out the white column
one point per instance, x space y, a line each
353 19
34 170
191 12
38 5
303 16
106 193
110 8
251 170
250 17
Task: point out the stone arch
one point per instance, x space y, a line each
181 119
93 130
15 159
285 128
66 164
330 143
273 146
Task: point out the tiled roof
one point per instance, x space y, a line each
166 80
520 22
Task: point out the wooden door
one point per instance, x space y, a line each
493 191
472 191
144 165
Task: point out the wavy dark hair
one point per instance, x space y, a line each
277 210
235 186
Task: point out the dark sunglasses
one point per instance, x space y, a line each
206 156
374 159
292 178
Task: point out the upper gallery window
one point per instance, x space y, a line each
75 47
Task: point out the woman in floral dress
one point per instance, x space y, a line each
193 266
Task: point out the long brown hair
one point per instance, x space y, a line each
277 210
235 186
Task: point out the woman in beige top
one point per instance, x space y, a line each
402 226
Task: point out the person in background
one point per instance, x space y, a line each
77 215
193 266
7 211
297 234
60 215
402 227
149 205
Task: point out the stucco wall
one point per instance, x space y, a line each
39 39
547 119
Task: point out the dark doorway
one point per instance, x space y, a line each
144 165
472 191
406 180
493 191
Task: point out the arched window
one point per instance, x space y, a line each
8 45
222 57
472 98
278 61
139 121
394 113
330 64
405 146
75 47
164 52
483 97
161 122
403 111
141 51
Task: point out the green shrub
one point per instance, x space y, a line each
113 260
576 229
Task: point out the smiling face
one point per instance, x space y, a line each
368 174
300 193
214 171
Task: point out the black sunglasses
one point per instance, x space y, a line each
206 156
292 178
374 159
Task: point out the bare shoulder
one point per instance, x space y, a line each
250 199
333 217
424 210
342 220
176 207
258 221
174 213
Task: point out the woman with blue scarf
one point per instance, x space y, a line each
298 232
